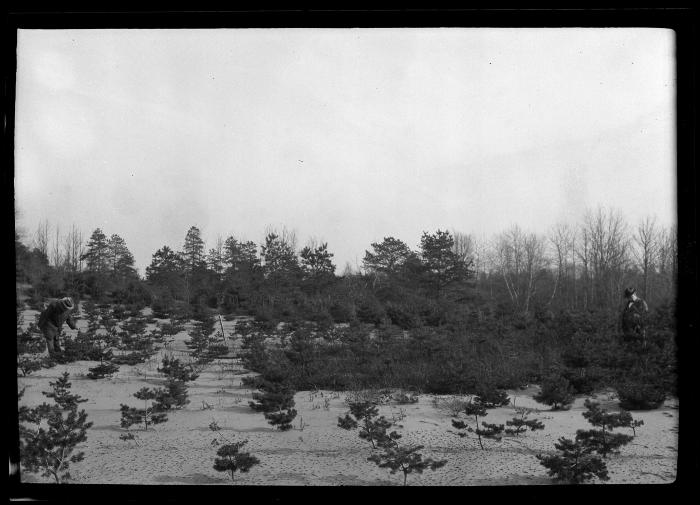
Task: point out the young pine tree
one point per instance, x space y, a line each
231 459
476 408
102 370
602 440
406 459
174 395
50 434
281 420
491 397
626 421
521 423
150 414
172 367
27 365
373 427
276 402
556 391
575 462
61 393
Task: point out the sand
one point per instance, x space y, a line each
180 451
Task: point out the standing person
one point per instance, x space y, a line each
633 317
51 321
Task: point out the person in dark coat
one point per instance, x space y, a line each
51 322
633 315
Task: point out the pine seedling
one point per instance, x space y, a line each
214 426
521 423
102 370
373 427
602 440
27 365
281 420
476 408
273 397
575 462
30 340
92 314
150 414
490 397
174 395
172 367
49 434
406 459
276 402
632 423
231 459
491 431
61 393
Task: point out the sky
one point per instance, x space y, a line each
345 136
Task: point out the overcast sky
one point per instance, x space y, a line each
344 135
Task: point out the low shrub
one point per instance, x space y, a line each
640 396
556 391
102 370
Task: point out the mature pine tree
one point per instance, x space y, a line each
193 250
387 256
97 253
444 266
164 264
238 256
280 265
96 257
121 261
165 271
215 261
242 272
317 267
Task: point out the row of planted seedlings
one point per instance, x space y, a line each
204 346
50 434
578 460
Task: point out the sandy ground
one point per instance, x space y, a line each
180 451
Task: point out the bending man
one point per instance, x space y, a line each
51 321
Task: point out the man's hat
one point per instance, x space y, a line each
66 303
629 292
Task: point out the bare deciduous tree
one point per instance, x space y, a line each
562 239
667 259
519 258
73 250
41 238
646 241
56 255
606 244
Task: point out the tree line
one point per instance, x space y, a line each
579 267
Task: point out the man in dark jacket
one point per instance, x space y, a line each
51 321
633 315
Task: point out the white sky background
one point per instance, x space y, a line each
344 135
